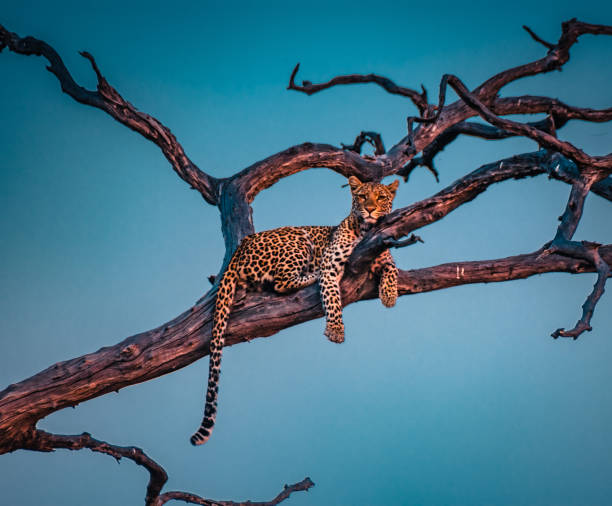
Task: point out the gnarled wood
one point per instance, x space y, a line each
186 338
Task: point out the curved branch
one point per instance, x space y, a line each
46 442
419 99
563 244
559 112
447 116
471 129
557 55
265 173
589 252
543 138
110 101
372 138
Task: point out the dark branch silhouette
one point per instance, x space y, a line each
186 338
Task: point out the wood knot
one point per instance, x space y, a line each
130 351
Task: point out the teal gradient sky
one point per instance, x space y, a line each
457 397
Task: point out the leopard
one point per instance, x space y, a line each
292 258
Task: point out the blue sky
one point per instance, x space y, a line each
456 397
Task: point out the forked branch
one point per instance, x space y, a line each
563 244
544 138
110 101
372 138
46 442
487 93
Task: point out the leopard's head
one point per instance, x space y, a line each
371 201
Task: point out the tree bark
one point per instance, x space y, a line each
186 338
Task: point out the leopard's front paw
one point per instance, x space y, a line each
388 296
387 287
335 334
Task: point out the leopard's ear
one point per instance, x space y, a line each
354 183
393 186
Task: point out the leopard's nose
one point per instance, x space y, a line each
370 207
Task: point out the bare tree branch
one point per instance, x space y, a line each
187 338
592 169
563 244
265 173
46 442
556 57
110 101
449 135
372 138
452 274
559 112
538 39
284 494
402 222
543 138
447 116
589 251
419 99
184 340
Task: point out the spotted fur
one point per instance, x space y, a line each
292 258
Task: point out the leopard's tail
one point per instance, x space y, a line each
223 304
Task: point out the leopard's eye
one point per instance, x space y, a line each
382 198
361 197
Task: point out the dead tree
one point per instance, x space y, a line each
185 339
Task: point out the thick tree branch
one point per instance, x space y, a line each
265 173
110 101
402 222
492 271
185 339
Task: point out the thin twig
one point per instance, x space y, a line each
372 138
302 486
538 39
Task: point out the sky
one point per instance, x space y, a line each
457 397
